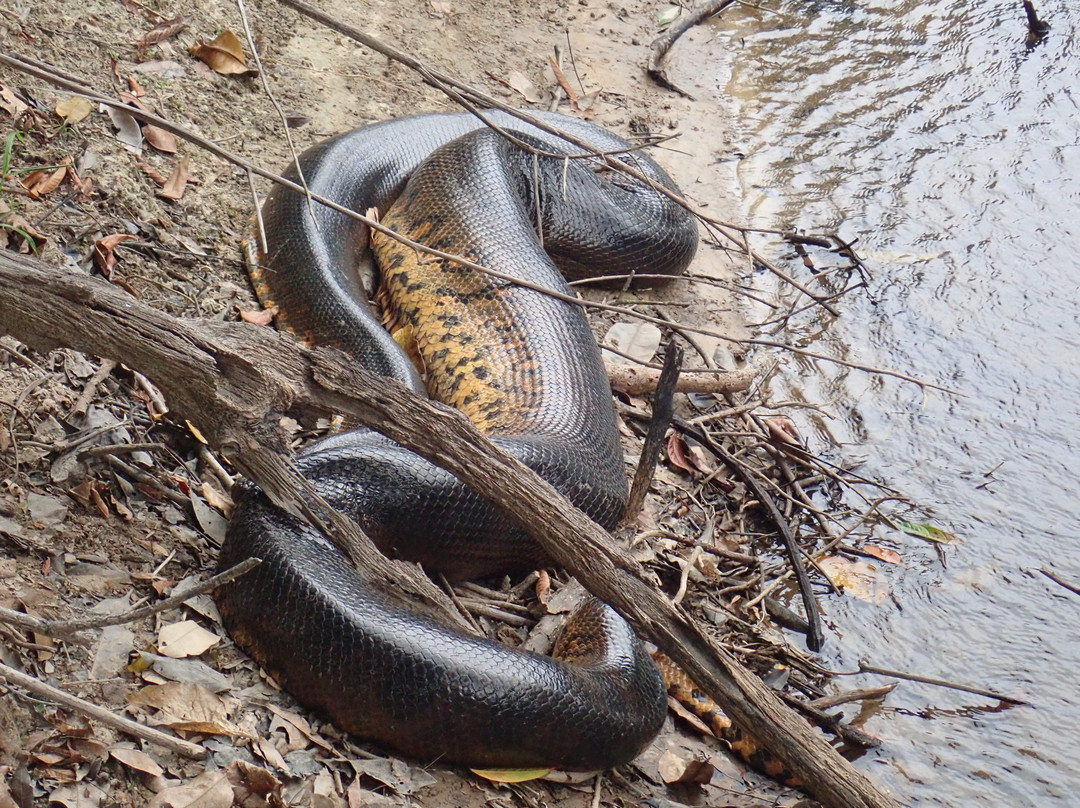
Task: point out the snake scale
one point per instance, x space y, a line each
523 366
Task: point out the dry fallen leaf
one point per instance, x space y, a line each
520 83
259 316
224 55
10 103
208 790
135 759
43 182
675 768
185 639
128 131
177 181
882 553
78 795
253 785
104 256
187 707
638 341
73 109
677 453
160 139
858 578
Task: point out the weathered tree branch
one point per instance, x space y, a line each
234 380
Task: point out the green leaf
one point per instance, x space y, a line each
928 532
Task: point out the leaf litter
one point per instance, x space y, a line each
126 232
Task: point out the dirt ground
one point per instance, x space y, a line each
105 531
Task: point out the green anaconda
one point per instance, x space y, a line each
523 366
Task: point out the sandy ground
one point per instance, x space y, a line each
80 534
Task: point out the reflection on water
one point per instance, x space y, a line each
934 135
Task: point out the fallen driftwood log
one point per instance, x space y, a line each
234 381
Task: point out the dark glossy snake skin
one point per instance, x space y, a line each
525 368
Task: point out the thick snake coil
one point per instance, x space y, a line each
524 367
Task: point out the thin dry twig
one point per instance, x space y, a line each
930 680
107 717
67 628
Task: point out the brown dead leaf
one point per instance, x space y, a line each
543 587
259 316
858 578
677 707
224 55
677 451
104 256
882 553
187 707
77 795
153 173
11 103
137 760
73 109
177 181
300 723
676 768
268 752
253 781
520 83
782 430
208 790
160 139
134 99
17 232
43 182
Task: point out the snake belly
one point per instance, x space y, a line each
524 367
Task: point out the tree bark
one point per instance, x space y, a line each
233 382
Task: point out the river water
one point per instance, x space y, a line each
936 136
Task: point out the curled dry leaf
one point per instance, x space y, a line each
128 131
104 256
677 452
177 181
253 784
782 430
259 316
43 182
73 109
882 553
224 55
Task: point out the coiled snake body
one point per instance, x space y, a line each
524 367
